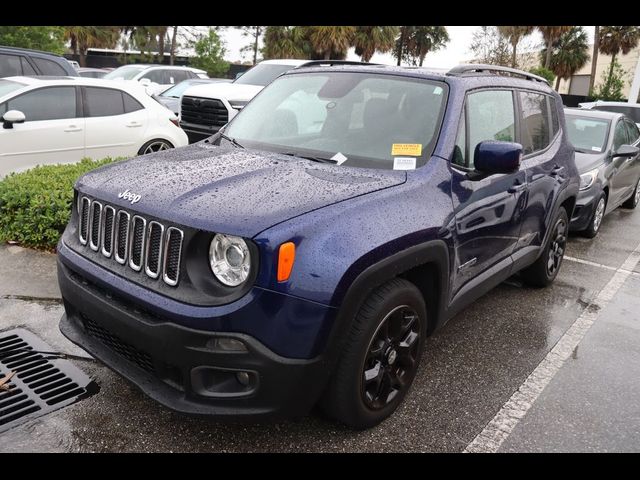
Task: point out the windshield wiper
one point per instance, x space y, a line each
310 157
232 140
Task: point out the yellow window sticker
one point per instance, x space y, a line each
413 149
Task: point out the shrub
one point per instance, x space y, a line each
35 206
545 73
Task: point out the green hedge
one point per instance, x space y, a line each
35 205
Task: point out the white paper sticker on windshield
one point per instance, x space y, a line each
404 163
339 158
437 90
596 149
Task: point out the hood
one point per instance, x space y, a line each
588 161
228 91
230 190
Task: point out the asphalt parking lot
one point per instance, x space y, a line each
471 375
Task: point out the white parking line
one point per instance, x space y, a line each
599 265
501 426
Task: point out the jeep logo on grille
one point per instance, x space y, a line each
132 197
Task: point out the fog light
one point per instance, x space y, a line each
243 378
225 344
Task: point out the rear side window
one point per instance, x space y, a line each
491 117
48 67
130 103
50 103
157 76
10 65
632 131
103 102
536 128
620 135
27 69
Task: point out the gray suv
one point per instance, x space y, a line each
21 61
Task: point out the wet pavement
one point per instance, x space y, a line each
470 369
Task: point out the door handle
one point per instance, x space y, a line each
517 187
557 170
133 124
72 128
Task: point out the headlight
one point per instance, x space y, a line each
229 259
587 179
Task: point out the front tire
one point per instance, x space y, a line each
545 269
596 219
155 145
380 356
634 199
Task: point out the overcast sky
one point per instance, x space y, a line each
456 51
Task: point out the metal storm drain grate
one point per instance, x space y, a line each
41 381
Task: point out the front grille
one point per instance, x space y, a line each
117 345
204 111
116 231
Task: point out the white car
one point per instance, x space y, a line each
156 78
631 110
64 119
207 108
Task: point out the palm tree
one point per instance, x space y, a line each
570 53
283 42
594 58
550 35
402 42
425 39
614 40
331 40
172 49
369 40
84 37
514 34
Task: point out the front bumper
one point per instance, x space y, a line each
583 211
178 366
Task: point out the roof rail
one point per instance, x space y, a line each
468 68
320 63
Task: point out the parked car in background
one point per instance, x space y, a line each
272 267
206 108
156 77
631 110
92 72
171 97
608 159
21 61
63 119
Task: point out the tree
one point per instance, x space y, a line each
209 54
545 73
402 43
569 54
83 38
488 46
369 40
422 40
594 58
331 41
253 32
160 33
614 40
514 34
612 84
49 39
550 34
284 42
172 51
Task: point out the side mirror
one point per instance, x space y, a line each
497 157
626 151
11 117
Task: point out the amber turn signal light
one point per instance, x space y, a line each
286 257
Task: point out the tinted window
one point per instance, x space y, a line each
587 135
130 103
632 131
619 135
157 76
10 65
536 131
48 67
27 69
491 117
555 123
177 76
46 103
103 102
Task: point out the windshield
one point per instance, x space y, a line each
263 74
8 86
177 90
357 119
631 112
588 135
126 73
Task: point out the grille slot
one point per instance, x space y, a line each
173 251
107 230
154 249
204 111
122 237
136 244
83 215
94 225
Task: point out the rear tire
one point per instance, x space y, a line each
596 218
380 357
634 199
155 145
545 269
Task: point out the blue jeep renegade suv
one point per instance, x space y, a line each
302 254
